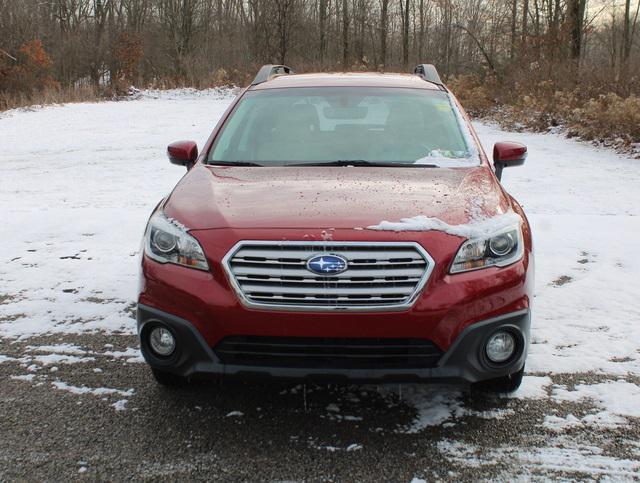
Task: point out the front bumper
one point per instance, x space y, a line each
462 362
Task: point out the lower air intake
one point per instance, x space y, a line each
323 352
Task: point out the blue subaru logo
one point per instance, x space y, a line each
327 264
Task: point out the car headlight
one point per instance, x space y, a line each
166 241
499 250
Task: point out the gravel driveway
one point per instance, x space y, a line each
259 431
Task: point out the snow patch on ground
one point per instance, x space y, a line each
24 377
131 354
50 359
91 176
235 414
98 391
187 93
434 404
620 397
333 449
120 405
561 456
533 387
58 349
597 420
561 424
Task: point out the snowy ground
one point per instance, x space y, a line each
77 184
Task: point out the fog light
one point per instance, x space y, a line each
162 341
500 347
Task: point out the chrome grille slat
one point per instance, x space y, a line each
328 302
243 270
267 262
349 297
313 281
327 290
350 255
380 275
303 263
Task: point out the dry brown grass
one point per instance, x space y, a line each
476 95
51 95
87 92
582 111
608 117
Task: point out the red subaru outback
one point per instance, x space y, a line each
339 227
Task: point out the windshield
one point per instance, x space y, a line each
280 127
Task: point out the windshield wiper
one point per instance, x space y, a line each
362 162
340 162
233 163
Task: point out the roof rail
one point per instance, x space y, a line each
269 71
429 73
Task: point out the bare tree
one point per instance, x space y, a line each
575 17
284 15
384 27
345 33
199 42
404 10
626 29
322 21
525 22
514 23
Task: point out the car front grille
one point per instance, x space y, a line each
379 276
323 352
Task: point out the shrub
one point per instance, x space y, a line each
608 117
474 93
221 77
29 75
127 53
534 104
31 71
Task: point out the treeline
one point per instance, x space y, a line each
189 41
495 51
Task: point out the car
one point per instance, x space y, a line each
341 227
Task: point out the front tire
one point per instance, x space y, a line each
500 385
168 379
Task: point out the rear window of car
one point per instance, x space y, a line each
277 127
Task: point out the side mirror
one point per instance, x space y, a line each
507 154
183 153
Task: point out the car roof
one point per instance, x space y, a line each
347 79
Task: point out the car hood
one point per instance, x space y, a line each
331 197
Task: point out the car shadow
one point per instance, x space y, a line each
335 417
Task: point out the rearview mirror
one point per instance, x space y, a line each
508 154
183 153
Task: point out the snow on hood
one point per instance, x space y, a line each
481 221
476 228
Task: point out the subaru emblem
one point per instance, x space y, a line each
327 264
